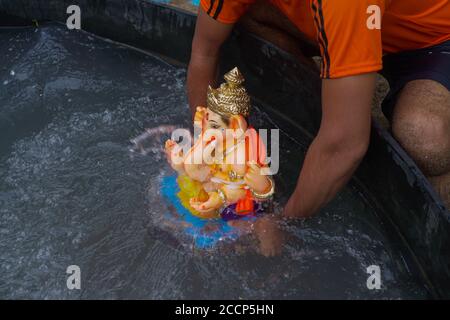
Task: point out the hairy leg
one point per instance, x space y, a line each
421 124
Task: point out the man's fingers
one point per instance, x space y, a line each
245 226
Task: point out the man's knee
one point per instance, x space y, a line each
421 124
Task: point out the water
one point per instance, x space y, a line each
71 193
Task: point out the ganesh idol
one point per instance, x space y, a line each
224 173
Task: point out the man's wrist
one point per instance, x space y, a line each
292 208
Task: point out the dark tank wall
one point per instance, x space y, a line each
139 23
387 177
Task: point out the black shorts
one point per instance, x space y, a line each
432 63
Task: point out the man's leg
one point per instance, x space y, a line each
421 124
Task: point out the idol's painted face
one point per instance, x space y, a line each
218 127
214 121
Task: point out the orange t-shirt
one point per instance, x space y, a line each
341 27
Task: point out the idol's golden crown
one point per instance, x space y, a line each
230 98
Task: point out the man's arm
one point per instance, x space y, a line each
340 145
202 71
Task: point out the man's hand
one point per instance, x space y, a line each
267 231
339 146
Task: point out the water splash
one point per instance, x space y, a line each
70 193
